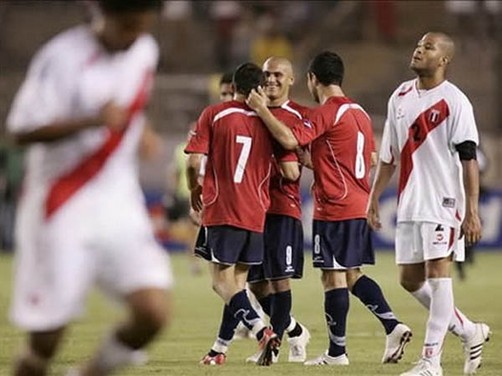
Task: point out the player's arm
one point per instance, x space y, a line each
290 170
112 115
192 169
471 226
150 143
258 101
383 175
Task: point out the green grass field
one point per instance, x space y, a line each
197 313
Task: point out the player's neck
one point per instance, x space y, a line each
326 92
429 82
278 102
239 97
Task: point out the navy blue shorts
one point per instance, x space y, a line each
283 257
230 245
342 244
200 248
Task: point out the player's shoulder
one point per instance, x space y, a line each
454 94
66 45
223 109
297 109
147 46
403 89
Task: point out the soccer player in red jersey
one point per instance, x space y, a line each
235 197
341 138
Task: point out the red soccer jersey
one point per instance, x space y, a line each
341 137
285 196
239 156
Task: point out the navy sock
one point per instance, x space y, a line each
336 308
371 295
266 303
243 310
227 325
281 310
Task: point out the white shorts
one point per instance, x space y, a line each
60 259
417 242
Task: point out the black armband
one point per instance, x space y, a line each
466 150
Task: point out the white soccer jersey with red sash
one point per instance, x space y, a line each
421 131
73 77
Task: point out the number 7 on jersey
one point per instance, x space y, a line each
243 157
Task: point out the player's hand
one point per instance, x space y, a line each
471 229
304 158
257 99
195 217
196 198
113 116
372 215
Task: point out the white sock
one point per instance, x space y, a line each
440 314
220 345
292 325
460 325
113 354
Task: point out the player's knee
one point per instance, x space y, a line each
352 276
153 315
410 285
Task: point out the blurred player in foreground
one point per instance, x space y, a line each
82 219
340 135
431 132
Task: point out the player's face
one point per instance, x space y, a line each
427 56
226 92
278 80
122 30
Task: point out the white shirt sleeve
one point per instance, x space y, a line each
45 94
389 148
463 126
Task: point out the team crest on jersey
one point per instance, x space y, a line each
434 116
448 202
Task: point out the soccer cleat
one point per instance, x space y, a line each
328 360
216 360
424 367
268 344
254 358
395 343
473 348
298 346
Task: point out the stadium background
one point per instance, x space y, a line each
200 40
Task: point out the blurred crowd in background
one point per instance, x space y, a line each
200 40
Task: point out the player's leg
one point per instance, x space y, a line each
235 250
40 349
136 270
329 254
217 353
370 294
438 246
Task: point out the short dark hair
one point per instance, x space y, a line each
226 78
248 76
328 68
123 6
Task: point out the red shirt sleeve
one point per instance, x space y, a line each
308 129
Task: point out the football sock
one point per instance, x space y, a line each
297 328
440 314
371 295
281 308
226 331
460 325
336 308
243 310
265 303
